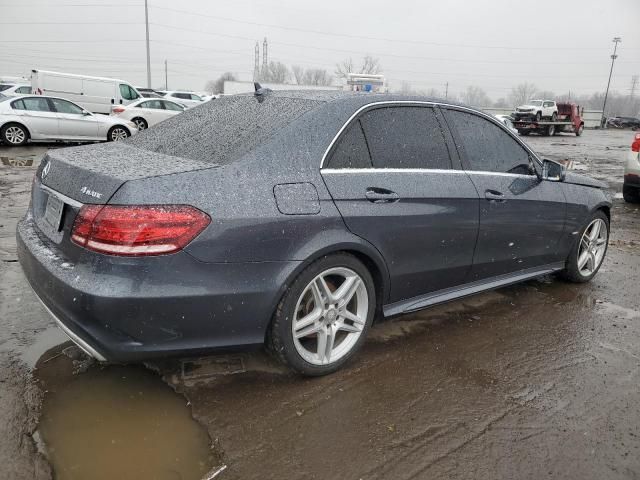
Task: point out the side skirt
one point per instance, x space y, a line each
454 293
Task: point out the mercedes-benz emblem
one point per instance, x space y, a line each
45 170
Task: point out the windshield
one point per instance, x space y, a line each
535 103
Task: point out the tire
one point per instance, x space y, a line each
305 353
550 131
14 134
141 123
631 194
538 116
117 133
573 271
524 133
554 116
580 130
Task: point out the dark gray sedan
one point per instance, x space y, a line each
294 219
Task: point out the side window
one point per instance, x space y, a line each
195 97
127 92
23 90
548 104
172 106
36 104
154 104
488 148
18 105
62 106
405 137
351 150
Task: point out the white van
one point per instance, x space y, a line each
96 94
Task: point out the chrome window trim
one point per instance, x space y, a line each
431 104
60 196
419 170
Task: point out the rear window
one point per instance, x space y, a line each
222 131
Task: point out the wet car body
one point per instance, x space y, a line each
277 205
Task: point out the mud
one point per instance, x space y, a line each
530 381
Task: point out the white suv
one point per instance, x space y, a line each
539 109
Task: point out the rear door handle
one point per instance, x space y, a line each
381 195
494 196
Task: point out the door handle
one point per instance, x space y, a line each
494 196
381 195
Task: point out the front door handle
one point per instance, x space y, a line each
494 196
381 195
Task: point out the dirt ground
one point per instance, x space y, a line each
538 380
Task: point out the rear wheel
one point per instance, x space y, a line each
524 133
141 123
550 131
323 318
117 133
589 251
14 134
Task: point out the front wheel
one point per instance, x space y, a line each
589 251
323 318
554 116
117 133
579 130
538 116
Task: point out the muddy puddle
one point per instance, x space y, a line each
117 422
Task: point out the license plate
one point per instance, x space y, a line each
53 212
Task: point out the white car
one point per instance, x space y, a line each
188 99
14 90
39 117
148 111
508 122
537 109
631 184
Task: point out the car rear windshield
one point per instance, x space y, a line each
222 131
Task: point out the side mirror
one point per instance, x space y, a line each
553 171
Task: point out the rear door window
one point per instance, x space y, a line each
488 148
153 104
405 137
23 90
351 150
172 106
33 104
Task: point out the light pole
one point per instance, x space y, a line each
146 22
616 40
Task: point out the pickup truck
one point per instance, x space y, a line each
537 109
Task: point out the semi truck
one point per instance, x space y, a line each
569 120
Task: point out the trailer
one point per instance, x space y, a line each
569 120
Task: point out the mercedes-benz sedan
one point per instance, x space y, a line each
294 219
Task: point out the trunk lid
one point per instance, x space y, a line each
93 173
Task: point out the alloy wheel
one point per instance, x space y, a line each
118 134
140 123
593 245
15 135
330 315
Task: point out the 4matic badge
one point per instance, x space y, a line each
91 193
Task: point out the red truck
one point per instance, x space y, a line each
569 120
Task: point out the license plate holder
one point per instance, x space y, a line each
53 212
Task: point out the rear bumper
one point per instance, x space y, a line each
133 309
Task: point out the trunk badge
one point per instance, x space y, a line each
45 170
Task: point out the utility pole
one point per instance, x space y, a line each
256 63
446 90
146 22
264 55
166 81
634 85
616 40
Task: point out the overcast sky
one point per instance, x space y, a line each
495 44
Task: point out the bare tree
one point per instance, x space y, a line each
501 103
276 72
545 95
370 65
317 76
298 74
475 96
217 86
521 93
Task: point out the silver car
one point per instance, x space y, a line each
38 117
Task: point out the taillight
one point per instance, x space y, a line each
136 230
117 109
635 146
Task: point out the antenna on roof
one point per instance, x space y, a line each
260 91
